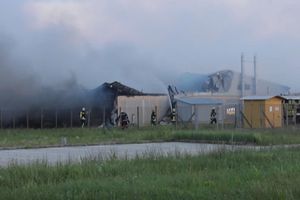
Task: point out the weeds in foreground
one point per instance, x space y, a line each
273 174
28 138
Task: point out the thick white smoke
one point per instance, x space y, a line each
140 43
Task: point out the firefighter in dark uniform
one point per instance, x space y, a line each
153 118
173 116
82 116
213 116
124 120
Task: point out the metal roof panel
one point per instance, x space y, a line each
260 97
291 97
199 101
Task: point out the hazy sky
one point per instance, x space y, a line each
139 42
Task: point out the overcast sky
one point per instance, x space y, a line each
140 42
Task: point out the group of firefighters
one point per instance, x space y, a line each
124 120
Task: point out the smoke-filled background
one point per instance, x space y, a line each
62 45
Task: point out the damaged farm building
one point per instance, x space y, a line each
110 99
61 109
227 82
223 85
192 96
195 95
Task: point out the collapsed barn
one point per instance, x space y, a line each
110 99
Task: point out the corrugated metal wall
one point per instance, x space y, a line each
139 108
198 113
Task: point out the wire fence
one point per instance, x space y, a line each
196 117
47 118
69 118
249 115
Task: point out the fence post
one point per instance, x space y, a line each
56 118
156 112
294 114
235 115
103 115
260 116
239 116
1 118
196 117
71 118
218 116
89 117
27 119
176 116
13 119
287 115
223 115
138 117
42 118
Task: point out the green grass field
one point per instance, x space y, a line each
28 138
266 174
223 175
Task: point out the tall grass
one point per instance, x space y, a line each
78 136
222 175
53 137
217 136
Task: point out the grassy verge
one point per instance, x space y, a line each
53 137
77 136
223 175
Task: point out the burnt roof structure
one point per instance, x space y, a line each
109 91
121 89
227 82
106 94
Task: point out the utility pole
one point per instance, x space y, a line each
242 77
254 84
255 76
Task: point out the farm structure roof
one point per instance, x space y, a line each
119 89
258 98
291 97
199 101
